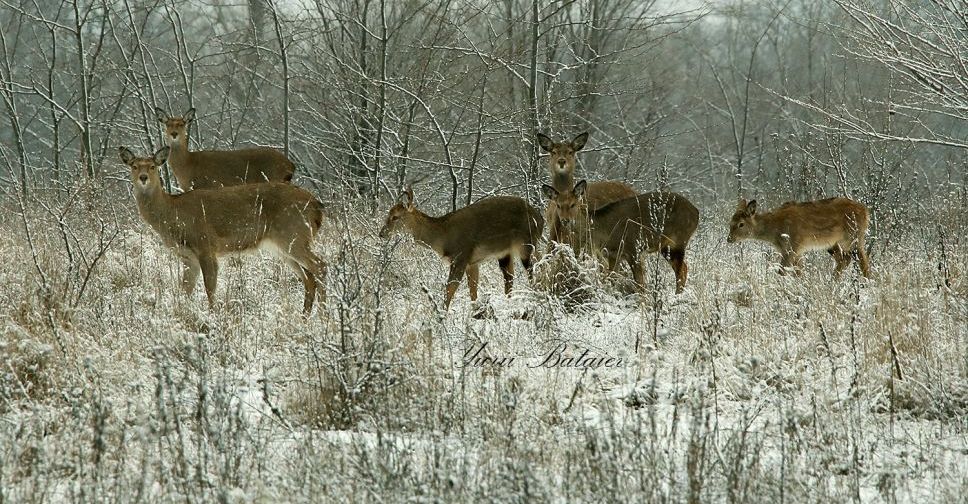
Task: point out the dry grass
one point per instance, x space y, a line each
748 386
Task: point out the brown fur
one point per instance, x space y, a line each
498 227
203 224
651 222
214 169
561 164
837 225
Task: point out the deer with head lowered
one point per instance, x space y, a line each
652 222
213 169
203 224
837 225
497 227
561 163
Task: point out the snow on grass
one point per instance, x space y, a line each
748 386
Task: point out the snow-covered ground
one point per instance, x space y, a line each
748 387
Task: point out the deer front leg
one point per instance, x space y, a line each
209 266
791 260
457 269
190 274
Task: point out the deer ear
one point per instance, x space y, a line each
161 115
126 155
741 205
189 116
751 208
579 141
161 155
408 192
580 188
548 191
546 143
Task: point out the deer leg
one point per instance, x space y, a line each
457 270
790 260
507 268
862 260
309 283
677 259
841 257
527 255
190 274
635 266
302 255
209 266
473 274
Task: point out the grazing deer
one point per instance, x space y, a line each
561 162
498 227
203 224
652 222
837 225
214 169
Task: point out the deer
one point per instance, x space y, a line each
837 225
203 224
661 222
213 169
496 227
561 163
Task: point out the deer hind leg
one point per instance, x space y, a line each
841 257
301 253
527 259
473 276
861 250
635 266
309 283
209 267
190 274
507 268
677 259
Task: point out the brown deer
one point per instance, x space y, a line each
837 225
652 222
561 163
497 227
214 169
203 224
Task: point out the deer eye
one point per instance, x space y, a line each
741 224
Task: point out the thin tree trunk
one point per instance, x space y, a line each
85 104
284 56
378 149
477 141
533 93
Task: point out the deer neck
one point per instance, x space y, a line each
562 180
155 205
179 151
427 230
764 228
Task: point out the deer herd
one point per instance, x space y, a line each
241 200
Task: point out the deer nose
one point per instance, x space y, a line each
561 163
144 178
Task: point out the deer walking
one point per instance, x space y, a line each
213 168
498 227
203 224
837 225
561 163
652 222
